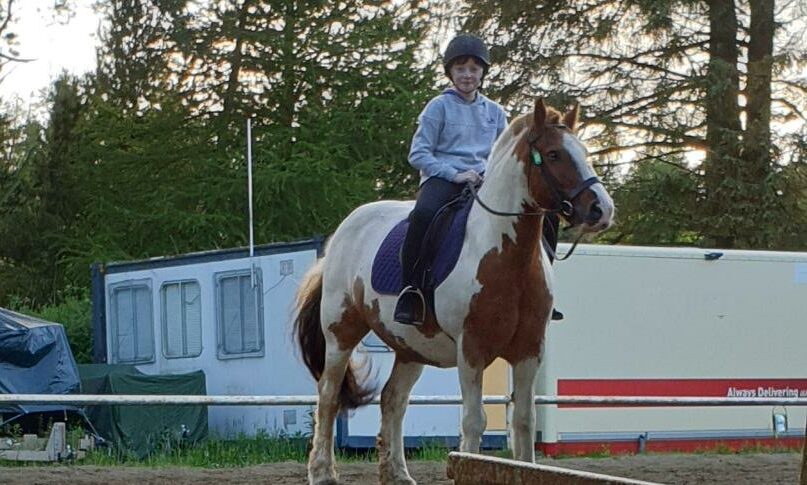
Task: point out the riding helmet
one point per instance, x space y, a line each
466 45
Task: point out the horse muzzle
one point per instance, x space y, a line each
594 210
600 214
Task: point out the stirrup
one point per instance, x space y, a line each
406 310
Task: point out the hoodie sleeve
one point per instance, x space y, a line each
424 144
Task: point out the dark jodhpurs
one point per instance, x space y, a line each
435 193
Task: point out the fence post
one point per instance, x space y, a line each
803 480
508 421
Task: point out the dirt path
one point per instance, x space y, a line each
744 469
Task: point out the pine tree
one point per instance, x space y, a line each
662 81
333 91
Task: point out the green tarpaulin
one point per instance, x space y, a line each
144 429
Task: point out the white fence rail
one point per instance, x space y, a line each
159 400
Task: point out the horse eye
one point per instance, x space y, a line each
553 155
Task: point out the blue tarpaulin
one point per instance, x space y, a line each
35 358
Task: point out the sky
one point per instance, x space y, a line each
54 46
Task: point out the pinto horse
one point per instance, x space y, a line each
496 302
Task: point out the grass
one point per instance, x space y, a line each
241 452
265 448
230 453
748 448
429 452
213 453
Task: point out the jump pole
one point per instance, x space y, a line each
473 469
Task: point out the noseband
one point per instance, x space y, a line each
565 201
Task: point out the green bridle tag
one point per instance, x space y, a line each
536 157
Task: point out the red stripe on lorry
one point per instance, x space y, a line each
582 448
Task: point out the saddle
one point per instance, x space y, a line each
438 254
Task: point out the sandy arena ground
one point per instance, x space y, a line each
744 469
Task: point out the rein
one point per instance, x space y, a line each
565 201
540 212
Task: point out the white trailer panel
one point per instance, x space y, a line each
677 322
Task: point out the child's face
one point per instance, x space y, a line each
466 76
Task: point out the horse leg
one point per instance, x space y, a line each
321 470
394 399
524 409
473 415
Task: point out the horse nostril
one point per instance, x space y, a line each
594 213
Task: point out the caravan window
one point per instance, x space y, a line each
132 322
239 314
181 319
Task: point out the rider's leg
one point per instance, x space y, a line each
434 193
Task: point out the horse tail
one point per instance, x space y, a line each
308 330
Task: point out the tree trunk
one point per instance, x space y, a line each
757 166
758 89
722 124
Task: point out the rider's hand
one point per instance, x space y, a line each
469 176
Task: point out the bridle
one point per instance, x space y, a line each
564 200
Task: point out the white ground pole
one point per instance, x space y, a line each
218 400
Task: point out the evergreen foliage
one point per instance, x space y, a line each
148 157
74 312
661 79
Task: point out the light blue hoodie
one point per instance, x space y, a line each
455 135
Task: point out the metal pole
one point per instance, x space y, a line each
803 479
150 399
252 270
249 191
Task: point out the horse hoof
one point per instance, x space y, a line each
323 479
399 481
327 481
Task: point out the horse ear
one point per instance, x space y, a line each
539 116
571 117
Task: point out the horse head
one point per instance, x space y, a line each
558 176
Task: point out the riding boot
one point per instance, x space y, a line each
410 308
551 226
410 299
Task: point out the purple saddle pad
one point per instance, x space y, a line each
386 272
